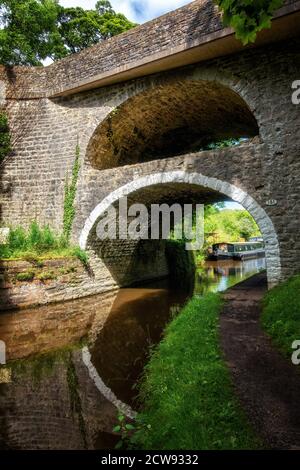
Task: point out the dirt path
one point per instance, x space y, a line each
267 384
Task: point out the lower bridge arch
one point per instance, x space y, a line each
206 185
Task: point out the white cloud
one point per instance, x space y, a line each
136 10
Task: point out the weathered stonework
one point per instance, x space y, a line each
251 90
186 179
68 280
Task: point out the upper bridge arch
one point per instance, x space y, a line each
171 116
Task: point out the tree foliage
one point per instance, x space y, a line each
28 31
34 30
79 28
229 225
248 17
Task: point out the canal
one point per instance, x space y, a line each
51 396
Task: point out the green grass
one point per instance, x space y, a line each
281 314
38 243
187 394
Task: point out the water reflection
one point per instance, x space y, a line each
52 402
136 323
217 276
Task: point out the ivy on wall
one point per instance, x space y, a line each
248 17
5 143
70 194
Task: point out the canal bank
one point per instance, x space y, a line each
44 351
266 382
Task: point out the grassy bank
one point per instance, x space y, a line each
189 402
281 314
38 243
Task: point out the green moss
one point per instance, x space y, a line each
25 276
187 395
47 276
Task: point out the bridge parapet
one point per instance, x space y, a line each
188 35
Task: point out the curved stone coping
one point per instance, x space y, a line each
233 192
103 389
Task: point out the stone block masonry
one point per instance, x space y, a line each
57 281
150 115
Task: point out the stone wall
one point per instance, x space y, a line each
33 178
67 279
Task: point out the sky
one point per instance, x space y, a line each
138 11
233 205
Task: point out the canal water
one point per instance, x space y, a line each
71 365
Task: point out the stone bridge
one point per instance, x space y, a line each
141 106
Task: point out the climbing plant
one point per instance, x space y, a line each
248 17
70 194
5 144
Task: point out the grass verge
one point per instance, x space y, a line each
281 314
39 243
187 394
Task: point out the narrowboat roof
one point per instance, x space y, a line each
238 243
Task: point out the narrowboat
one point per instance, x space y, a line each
237 251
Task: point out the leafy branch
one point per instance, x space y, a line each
248 17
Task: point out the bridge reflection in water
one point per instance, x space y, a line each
52 402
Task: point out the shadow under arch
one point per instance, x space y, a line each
203 182
179 115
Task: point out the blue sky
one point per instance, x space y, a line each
136 10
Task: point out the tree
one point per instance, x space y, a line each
28 31
229 225
79 28
248 17
34 30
